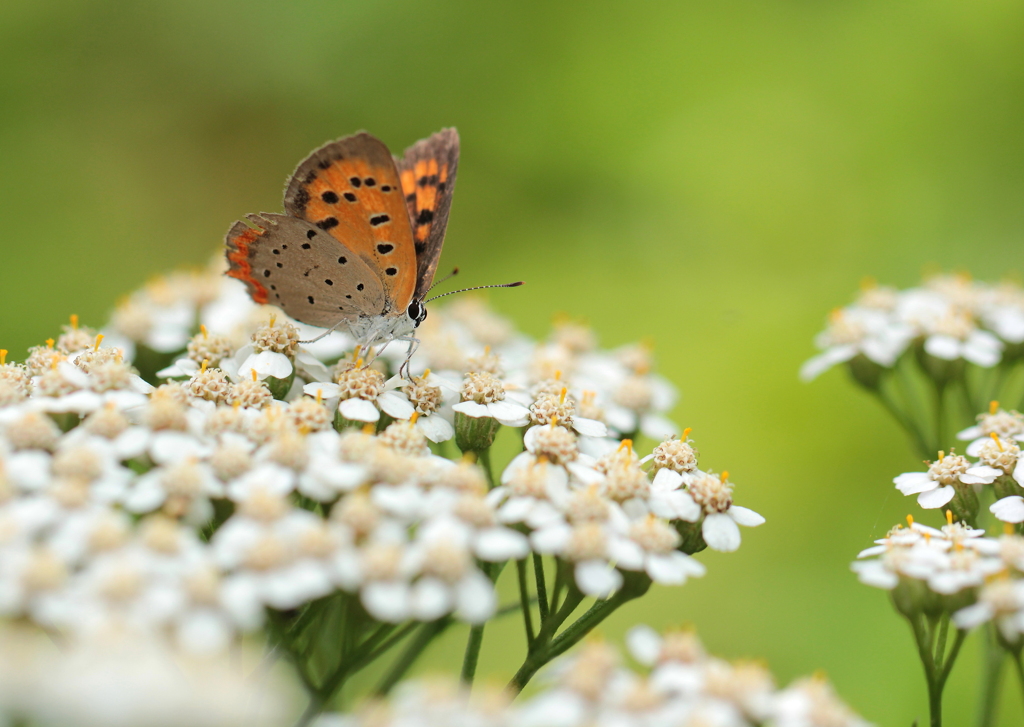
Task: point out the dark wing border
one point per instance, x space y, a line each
444 147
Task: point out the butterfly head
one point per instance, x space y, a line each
417 312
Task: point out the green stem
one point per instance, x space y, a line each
548 646
524 600
940 414
472 656
947 666
484 457
1016 653
924 642
994 656
542 588
412 652
904 420
940 646
910 394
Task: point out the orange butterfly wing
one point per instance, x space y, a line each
351 189
427 171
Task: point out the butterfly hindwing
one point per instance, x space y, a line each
300 268
427 172
351 189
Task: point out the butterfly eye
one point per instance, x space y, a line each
417 312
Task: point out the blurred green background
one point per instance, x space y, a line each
715 176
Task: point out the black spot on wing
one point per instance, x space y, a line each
324 163
385 188
427 181
391 271
385 247
369 181
420 247
356 182
410 197
310 234
306 246
350 197
329 197
425 217
376 220
329 281
310 299
302 197
342 260
359 287
327 223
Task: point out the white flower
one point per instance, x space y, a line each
712 495
955 336
650 545
936 487
855 331
1001 600
483 395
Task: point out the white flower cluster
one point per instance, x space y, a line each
998 462
952 317
680 685
125 681
962 571
266 474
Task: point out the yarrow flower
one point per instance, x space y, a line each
236 484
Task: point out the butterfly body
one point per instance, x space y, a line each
360 239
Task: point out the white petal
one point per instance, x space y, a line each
589 427
936 498
597 578
395 404
498 544
551 540
721 532
657 427
745 516
644 644
944 347
667 569
472 409
266 363
1018 471
509 414
667 479
359 410
475 599
436 428
387 601
328 390
980 475
912 483
204 632
430 599
816 366
625 553
1009 509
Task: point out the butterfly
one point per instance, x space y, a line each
360 239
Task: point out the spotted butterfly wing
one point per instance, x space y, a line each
290 263
427 170
350 188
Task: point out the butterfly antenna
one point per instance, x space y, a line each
445 279
476 287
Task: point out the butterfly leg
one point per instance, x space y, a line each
414 343
326 333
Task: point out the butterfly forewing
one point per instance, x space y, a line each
350 189
427 171
303 270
